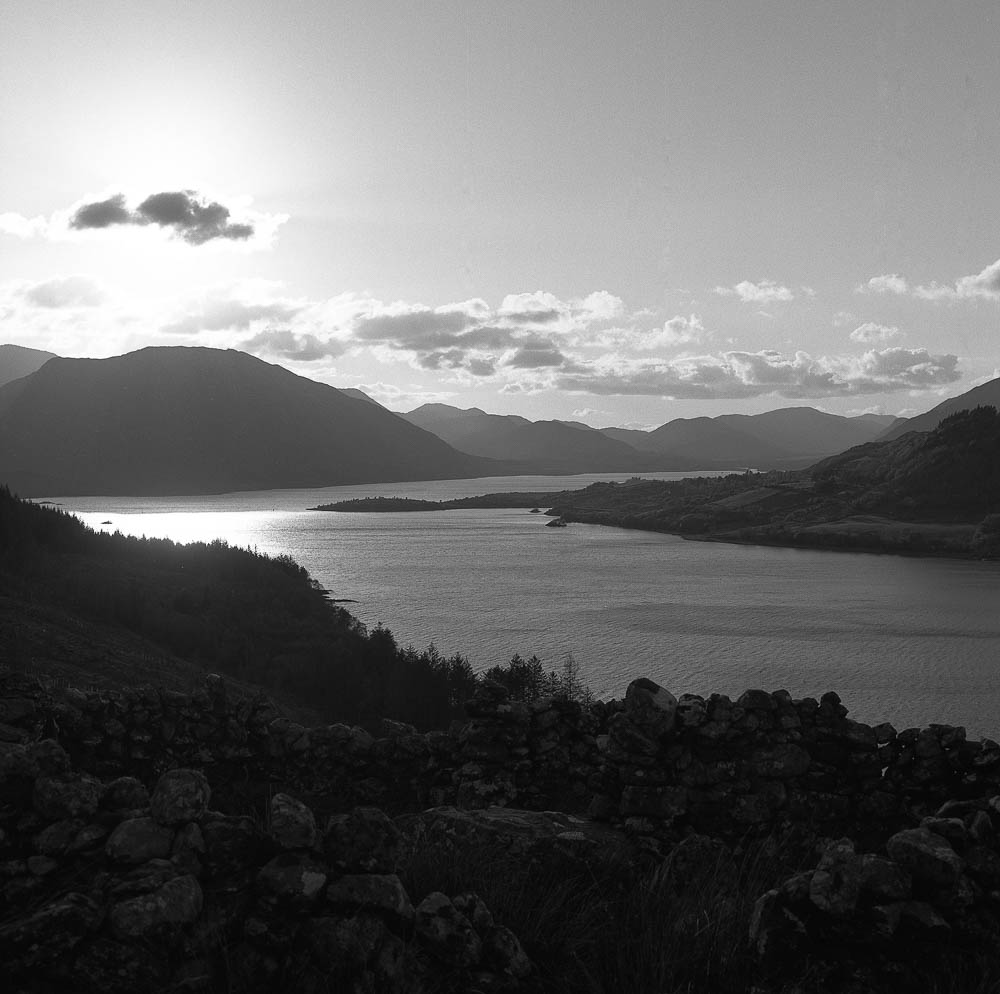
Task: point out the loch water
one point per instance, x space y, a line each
907 640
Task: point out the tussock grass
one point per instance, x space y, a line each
678 926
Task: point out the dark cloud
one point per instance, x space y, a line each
195 219
102 214
289 345
536 357
533 317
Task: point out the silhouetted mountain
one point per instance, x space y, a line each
17 361
786 438
536 446
194 420
985 395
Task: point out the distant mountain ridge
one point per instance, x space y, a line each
537 446
195 420
17 361
783 439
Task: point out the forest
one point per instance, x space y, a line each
260 619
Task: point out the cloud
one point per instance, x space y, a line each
195 219
984 285
869 332
222 310
103 214
537 356
737 375
890 283
765 292
185 214
680 330
63 291
289 345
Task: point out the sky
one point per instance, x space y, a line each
615 213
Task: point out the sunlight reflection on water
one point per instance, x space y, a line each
906 640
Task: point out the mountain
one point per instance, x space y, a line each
194 420
934 493
359 395
985 395
787 438
535 446
17 361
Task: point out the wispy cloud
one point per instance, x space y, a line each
984 285
870 332
765 292
736 375
889 283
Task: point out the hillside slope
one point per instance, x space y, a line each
194 420
17 361
985 395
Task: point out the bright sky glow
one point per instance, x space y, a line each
559 208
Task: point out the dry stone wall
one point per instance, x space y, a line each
655 764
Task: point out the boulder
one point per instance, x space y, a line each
836 882
125 794
377 893
180 796
292 880
293 825
66 795
926 855
139 839
362 841
163 911
446 932
651 707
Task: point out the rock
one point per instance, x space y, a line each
447 932
378 893
139 839
180 796
782 761
363 841
66 795
342 947
650 707
836 882
48 934
293 825
119 968
125 794
883 881
149 916
503 952
952 829
292 880
56 839
474 908
232 843
927 856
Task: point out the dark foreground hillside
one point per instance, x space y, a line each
166 842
